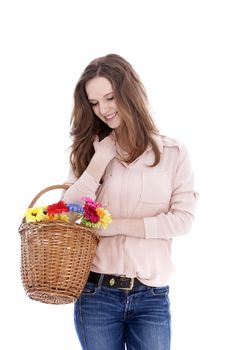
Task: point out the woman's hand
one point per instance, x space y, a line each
106 147
105 151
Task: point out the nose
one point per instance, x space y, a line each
103 108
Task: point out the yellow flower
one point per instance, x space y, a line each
64 217
105 217
35 214
53 217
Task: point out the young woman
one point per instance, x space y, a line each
145 180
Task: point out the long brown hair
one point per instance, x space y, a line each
137 126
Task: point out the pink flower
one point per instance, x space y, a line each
91 202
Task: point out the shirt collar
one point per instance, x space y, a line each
157 138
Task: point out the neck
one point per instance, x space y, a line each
122 142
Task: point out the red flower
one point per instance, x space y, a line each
90 213
56 208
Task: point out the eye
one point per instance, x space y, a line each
93 104
110 98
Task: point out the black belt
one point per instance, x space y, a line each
113 281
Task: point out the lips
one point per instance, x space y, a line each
110 116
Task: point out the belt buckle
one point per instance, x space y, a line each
130 285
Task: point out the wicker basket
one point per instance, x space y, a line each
55 258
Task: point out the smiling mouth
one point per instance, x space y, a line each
110 116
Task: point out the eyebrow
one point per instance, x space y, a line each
92 99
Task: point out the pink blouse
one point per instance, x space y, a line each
161 197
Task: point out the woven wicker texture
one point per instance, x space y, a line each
55 258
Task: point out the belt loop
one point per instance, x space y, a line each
100 280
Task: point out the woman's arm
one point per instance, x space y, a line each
88 183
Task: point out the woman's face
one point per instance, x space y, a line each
101 97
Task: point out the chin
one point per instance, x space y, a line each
115 124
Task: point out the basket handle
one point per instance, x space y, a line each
54 187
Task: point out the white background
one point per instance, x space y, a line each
183 53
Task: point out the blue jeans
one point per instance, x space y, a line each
107 318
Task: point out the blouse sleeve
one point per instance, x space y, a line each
178 220
85 185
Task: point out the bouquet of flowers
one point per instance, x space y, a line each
90 214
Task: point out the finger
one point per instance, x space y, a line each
96 140
113 135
